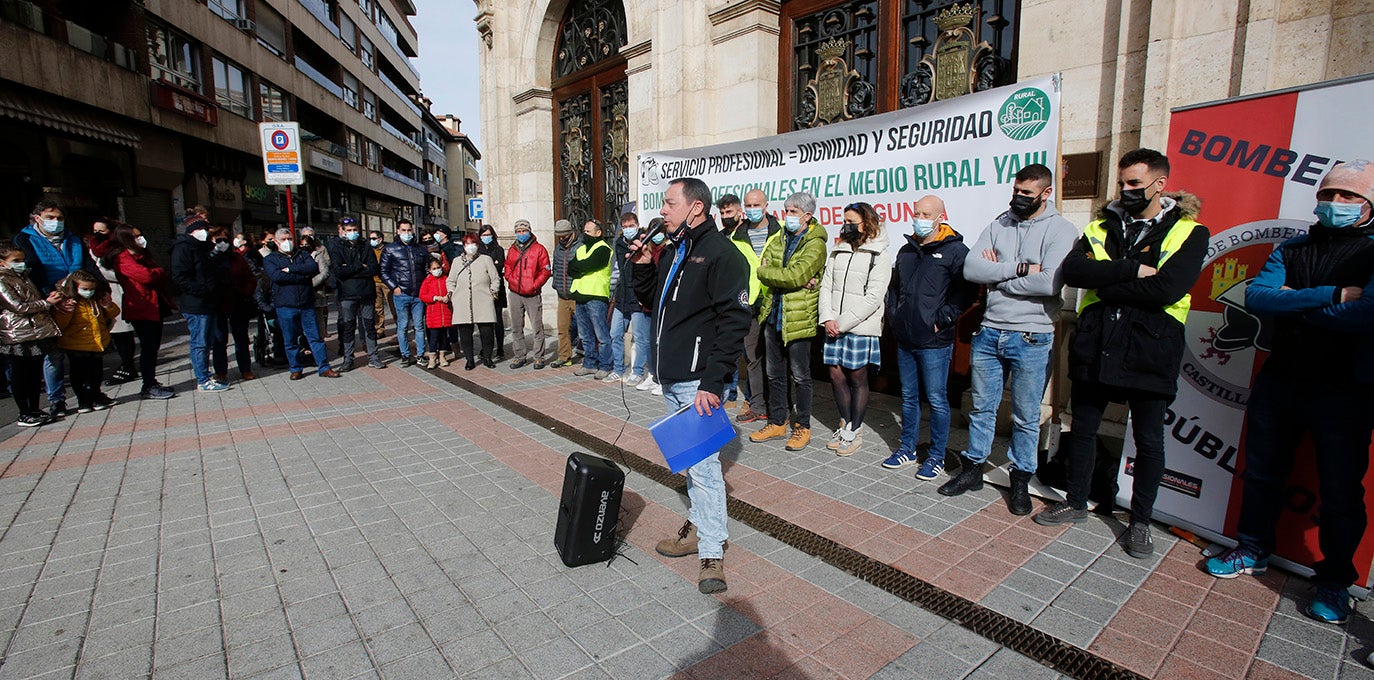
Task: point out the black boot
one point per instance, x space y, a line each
970 478
1019 500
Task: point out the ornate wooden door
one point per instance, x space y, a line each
591 105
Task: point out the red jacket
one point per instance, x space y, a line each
143 283
527 270
437 314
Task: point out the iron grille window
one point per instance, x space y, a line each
592 31
829 95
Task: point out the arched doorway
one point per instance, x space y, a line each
591 104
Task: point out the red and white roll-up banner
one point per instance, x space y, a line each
1255 162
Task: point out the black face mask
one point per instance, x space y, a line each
849 231
1134 201
1024 206
729 222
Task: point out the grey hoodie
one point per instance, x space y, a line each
1022 303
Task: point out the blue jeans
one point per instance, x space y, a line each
54 366
294 322
1026 356
638 323
925 373
596 334
705 483
201 329
410 316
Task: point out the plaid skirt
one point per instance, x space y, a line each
852 351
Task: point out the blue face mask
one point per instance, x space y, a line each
793 224
53 226
1338 215
630 233
659 238
351 235
922 228
524 237
407 238
487 240
753 214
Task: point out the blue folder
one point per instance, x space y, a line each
686 438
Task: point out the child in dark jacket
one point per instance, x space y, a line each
27 333
438 314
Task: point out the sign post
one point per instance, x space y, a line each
477 209
281 161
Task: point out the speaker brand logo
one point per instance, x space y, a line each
601 516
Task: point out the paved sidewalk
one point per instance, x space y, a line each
391 524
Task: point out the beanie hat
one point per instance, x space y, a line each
194 222
522 223
562 227
1355 176
444 229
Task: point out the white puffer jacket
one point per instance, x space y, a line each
854 286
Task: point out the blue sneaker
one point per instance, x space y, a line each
213 386
900 459
1331 604
1235 562
932 467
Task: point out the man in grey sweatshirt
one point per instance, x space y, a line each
1017 257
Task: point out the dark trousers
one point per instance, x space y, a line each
1339 418
357 317
149 342
790 360
485 332
85 370
1089 401
439 339
235 324
26 383
124 346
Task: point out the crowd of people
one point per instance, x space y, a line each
727 310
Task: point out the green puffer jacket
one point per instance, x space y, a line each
800 305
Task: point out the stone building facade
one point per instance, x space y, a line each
699 72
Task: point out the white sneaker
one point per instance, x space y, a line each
646 384
658 390
612 378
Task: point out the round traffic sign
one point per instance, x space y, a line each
280 139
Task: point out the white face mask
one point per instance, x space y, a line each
375 242
53 226
285 246
200 234
470 249
141 241
436 272
239 243
87 293
18 267
221 246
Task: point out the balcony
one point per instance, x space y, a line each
400 93
320 79
24 13
321 12
395 132
392 174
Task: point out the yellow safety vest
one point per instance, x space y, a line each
597 283
1096 232
747 250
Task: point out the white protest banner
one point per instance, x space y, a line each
965 150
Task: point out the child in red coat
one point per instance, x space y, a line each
438 314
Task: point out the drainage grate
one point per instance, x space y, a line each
995 626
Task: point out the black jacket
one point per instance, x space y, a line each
292 288
1126 340
405 266
196 276
623 291
353 264
498 256
928 291
699 331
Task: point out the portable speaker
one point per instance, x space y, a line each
589 510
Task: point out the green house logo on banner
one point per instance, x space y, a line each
1025 113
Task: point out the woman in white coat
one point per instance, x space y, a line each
474 284
857 272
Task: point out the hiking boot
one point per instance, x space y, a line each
801 436
712 577
900 459
519 363
431 361
584 371
1018 497
602 375
684 544
1331 604
1060 513
445 358
1138 542
932 467
1237 561
970 478
769 432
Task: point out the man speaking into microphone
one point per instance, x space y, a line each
699 294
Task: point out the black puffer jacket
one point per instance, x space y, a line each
291 276
699 330
1126 339
353 265
405 266
928 291
195 276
